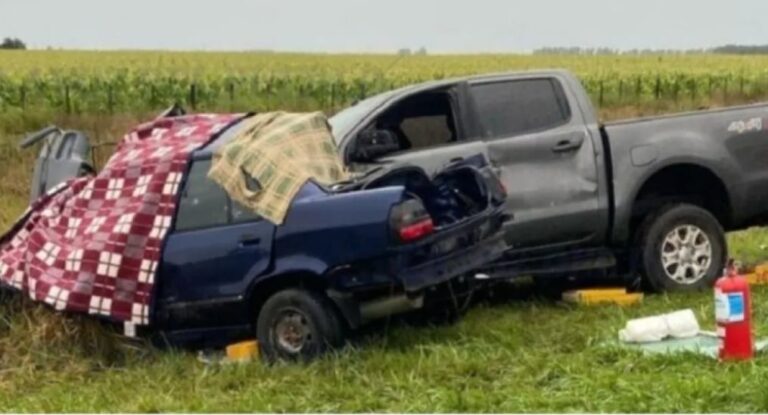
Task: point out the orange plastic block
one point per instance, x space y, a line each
759 277
243 351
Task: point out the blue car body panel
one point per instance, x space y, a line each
209 279
336 229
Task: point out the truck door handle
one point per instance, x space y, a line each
249 240
569 144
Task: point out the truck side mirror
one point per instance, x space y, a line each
372 143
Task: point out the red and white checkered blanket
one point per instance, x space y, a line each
93 244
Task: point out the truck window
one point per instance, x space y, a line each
509 108
203 202
421 121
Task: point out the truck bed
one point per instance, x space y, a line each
730 143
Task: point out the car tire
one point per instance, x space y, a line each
5 294
296 324
680 247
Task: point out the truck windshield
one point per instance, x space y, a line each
345 120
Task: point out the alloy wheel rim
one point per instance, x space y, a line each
686 254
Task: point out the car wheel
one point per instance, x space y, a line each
5 294
680 248
296 324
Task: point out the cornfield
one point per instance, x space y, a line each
119 82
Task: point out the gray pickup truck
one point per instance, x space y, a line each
650 197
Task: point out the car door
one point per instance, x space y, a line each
63 156
216 246
545 157
433 126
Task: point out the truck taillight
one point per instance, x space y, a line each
496 187
410 221
502 188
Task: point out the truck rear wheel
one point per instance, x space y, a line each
296 324
680 247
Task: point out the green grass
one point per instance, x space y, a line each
516 356
750 246
519 354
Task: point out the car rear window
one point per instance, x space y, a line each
510 108
205 204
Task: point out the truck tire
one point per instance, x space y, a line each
680 247
447 303
553 286
296 324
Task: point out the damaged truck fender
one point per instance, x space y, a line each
685 165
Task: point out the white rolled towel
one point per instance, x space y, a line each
679 324
682 324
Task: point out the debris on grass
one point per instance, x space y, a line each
759 276
242 352
597 296
703 343
676 332
677 325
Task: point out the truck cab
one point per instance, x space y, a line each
647 199
535 128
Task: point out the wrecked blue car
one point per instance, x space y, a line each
383 243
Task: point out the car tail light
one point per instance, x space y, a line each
410 221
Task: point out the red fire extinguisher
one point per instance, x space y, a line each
733 309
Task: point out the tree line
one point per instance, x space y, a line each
12 43
725 49
18 44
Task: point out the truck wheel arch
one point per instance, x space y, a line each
682 182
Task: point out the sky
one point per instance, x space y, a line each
383 25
